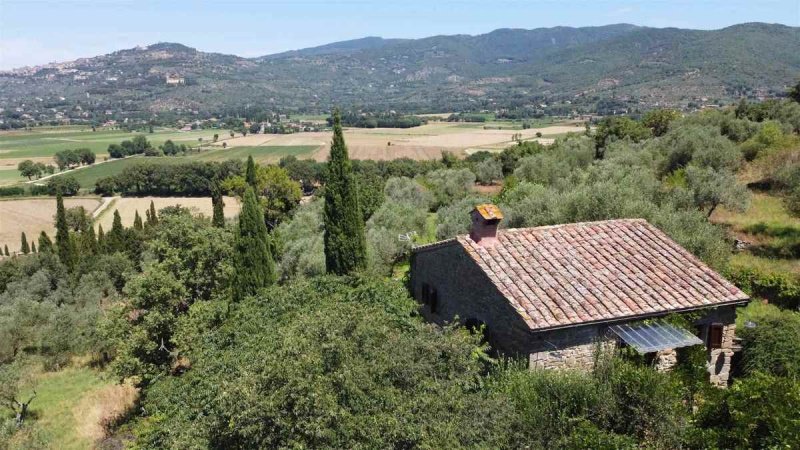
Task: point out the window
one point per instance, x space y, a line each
715 335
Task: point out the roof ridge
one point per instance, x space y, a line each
432 245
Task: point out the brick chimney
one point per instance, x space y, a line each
485 220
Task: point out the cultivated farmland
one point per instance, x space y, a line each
34 215
423 142
127 207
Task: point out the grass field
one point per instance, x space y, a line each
87 176
264 154
42 144
769 229
71 404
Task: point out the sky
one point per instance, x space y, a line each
36 32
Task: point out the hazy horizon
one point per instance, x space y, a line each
40 32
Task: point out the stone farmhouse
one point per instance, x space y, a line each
555 294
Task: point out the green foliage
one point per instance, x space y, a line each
794 92
771 344
782 289
45 244
218 205
759 411
702 146
253 261
328 363
300 242
615 128
488 171
510 156
344 238
24 245
712 188
250 173
64 243
63 185
658 120
30 169
449 185
195 252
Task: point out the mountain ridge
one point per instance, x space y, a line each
565 68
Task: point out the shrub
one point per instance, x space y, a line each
65 185
11 191
772 344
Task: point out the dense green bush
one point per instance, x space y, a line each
771 343
12 191
779 288
328 363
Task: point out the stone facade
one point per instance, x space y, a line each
719 359
464 293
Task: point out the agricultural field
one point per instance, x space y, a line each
423 142
127 207
34 215
40 144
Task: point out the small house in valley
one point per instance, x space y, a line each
553 294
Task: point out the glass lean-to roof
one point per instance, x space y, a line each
652 337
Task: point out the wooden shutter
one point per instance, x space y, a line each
715 335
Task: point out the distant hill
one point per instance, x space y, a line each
339 48
621 67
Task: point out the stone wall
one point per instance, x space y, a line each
568 348
719 359
465 292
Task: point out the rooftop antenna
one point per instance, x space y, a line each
406 237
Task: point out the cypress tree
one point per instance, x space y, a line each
101 240
65 245
137 222
253 261
345 239
152 218
24 247
218 217
45 244
33 247
5 247
115 241
250 172
89 241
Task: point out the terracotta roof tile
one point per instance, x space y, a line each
564 275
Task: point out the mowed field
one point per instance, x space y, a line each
423 142
34 215
128 206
